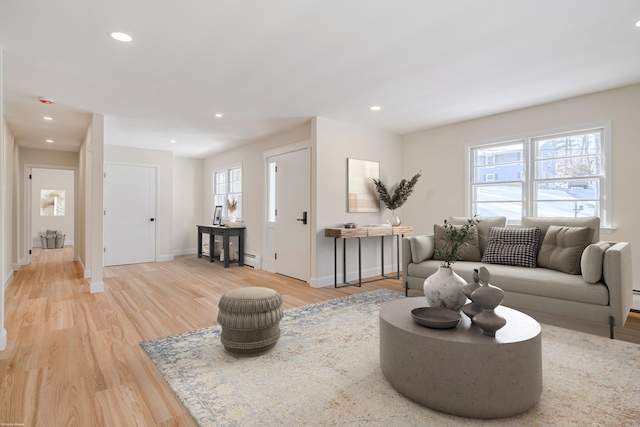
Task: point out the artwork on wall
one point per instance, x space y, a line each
51 202
361 191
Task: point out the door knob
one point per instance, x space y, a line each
304 218
152 219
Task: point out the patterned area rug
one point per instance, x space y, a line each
325 371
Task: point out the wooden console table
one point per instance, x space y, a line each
359 233
225 232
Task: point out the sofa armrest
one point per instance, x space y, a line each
617 271
415 249
406 259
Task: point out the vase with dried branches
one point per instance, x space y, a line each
232 207
400 195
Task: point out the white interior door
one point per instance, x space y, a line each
293 202
130 214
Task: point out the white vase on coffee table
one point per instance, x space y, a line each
444 288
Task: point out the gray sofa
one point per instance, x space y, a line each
602 292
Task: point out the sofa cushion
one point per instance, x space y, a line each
562 248
471 249
545 223
512 246
591 261
484 226
539 281
421 248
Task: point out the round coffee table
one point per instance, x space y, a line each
460 371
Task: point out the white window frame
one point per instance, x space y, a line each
227 172
528 174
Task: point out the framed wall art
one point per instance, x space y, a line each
217 215
361 191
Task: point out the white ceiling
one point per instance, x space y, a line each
271 65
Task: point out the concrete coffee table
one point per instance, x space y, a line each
460 371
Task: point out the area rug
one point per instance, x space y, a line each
325 371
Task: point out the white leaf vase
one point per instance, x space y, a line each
444 288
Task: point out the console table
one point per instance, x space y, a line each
359 233
460 371
225 232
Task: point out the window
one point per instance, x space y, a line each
227 184
558 175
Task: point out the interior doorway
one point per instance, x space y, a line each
51 207
289 213
130 214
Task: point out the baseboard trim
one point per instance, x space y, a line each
352 276
164 258
3 339
96 287
179 252
635 303
7 280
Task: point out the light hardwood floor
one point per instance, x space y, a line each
74 359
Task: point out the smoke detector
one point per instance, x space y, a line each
46 101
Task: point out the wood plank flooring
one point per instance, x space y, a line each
73 358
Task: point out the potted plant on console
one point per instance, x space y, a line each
452 243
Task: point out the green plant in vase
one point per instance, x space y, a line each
445 288
454 241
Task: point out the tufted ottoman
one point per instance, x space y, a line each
250 320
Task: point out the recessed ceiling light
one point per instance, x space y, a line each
47 118
218 115
638 24
121 37
375 108
173 141
49 141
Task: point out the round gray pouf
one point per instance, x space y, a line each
250 320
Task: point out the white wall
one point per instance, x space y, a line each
188 204
93 151
440 153
52 179
251 158
163 161
335 143
6 146
6 203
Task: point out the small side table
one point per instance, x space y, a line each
225 232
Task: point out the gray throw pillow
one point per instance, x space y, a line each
562 248
471 249
591 261
512 246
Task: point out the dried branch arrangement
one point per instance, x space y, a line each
402 193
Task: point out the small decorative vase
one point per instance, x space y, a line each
232 217
471 309
394 219
444 289
488 297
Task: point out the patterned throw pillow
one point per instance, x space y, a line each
512 246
